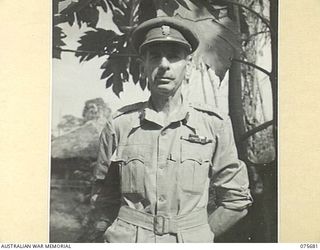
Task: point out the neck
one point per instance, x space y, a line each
167 105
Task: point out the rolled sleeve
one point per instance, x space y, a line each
230 176
107 145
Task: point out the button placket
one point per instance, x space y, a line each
161 172
162 198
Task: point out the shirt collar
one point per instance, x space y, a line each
147 112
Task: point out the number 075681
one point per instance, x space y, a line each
311 245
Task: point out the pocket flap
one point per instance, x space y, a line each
196 152
129 153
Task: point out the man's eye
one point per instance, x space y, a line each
172 56
154 55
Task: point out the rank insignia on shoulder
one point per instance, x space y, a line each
197 139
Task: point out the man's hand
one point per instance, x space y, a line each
223 219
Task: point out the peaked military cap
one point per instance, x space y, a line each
164 29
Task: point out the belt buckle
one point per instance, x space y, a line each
159 224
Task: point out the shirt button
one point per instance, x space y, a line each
162 198
163 132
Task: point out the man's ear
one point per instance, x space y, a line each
188 68
141 67
143 75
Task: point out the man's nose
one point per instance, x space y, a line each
164 64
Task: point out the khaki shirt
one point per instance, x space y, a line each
166 168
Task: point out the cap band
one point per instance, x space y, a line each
165 29
164 33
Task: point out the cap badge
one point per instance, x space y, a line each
165 30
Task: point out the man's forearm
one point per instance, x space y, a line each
222 219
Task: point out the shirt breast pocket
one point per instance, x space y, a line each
195 161
132 168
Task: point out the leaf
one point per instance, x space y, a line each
134 69
116 67
86 11
55 7
143 83
216 48
125 76
107 70
70 19
109 82
96 43
57 19
117 85
88 15
104 65
104 5
82 4
57 36
119 18
115 3
90 56
183 3
167 6
56 53
115 70
146 10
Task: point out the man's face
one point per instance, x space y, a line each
165 66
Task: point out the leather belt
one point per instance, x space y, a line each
162 224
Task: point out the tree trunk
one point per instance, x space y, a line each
235 97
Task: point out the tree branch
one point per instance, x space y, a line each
256 129
252 65
93 52
255 34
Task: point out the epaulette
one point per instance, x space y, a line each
209 109
128 109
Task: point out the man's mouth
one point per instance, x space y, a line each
163 79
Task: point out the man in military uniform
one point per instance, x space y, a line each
157 158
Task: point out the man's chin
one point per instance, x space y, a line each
164 88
